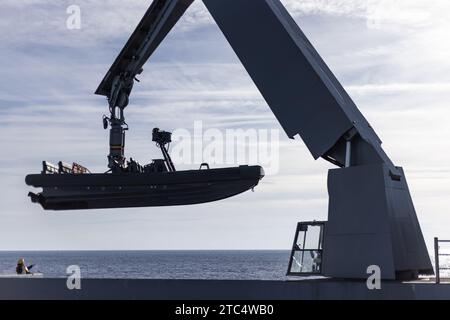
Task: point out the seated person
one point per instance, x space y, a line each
21 268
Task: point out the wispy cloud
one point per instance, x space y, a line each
392 56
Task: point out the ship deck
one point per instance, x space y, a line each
154 289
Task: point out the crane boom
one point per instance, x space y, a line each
296 83
157 22
118 82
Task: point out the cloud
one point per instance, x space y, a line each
393 59
401 87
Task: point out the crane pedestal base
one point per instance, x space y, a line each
372 221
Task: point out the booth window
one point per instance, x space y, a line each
306 255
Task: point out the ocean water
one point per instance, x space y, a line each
262 265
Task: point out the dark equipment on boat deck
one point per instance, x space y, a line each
163 138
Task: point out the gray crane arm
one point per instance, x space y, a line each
157 22
298 86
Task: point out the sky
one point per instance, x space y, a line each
391 56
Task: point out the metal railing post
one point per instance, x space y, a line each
436 259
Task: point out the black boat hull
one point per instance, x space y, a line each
101 191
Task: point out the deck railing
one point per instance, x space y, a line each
436 257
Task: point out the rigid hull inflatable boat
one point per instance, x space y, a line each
109 190
71 187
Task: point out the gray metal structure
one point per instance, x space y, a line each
230 290
437 256
371 218
118 82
